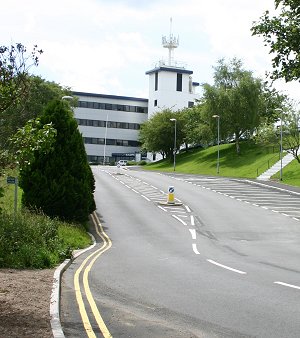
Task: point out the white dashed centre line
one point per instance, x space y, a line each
288 285
226 267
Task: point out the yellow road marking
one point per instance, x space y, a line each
84 316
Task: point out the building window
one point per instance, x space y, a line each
179 82
156 81
155 103
190 104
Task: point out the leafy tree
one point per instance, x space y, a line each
157 134
40 92
282 34
60 182
270 134
195 128
14 66
235 97
31 138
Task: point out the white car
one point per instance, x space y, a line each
122 162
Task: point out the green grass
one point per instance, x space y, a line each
33 240
290 174
252 159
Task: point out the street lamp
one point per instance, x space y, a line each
281 117
174 120
218 158
67 97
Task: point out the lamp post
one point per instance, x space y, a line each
281 146
174 164
67 97
218 158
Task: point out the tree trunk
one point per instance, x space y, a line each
237 144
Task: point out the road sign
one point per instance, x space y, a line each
171 190
11 180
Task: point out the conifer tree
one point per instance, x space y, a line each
60 182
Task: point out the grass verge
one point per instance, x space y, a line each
252 161
34 240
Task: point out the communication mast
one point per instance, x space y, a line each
171 43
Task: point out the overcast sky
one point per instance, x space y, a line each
106 46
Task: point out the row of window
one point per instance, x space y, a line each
110 106
110 124
190 104
111 142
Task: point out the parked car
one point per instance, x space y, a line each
122 162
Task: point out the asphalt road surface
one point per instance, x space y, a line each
224 263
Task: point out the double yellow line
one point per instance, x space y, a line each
86 266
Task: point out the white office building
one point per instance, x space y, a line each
110 124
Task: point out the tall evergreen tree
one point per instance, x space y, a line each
60 182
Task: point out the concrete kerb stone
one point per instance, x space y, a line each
56 289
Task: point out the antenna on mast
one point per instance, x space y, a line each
171 43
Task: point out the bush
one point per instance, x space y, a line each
31 240
60 182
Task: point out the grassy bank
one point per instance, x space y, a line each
252 160
290 174
33 240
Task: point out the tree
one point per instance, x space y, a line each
60 182
40 92
282 34
196 130
157 134
14 67
235 97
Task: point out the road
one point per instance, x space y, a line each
225 263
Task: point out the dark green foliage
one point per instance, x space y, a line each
60 183
282 34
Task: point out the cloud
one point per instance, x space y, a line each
106 46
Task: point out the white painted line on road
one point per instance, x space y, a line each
162 191
146 198
145 183
179 219
162 208
152 186
135 191
193 233
296 219
187 208
195 249
192 220
288 285
226 267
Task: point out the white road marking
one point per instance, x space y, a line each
288 285
192 220
187 208
135 191
146 198
193 233
195 249
179 219
162 208
226 267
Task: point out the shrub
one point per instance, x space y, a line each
60 182
30 240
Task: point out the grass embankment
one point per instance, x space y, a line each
33 240
252 161
290 174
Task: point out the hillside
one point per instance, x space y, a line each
251 162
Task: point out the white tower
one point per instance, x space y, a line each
170 85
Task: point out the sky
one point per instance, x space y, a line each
106 46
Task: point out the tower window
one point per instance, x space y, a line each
179 82
155 103
156 81
190 104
